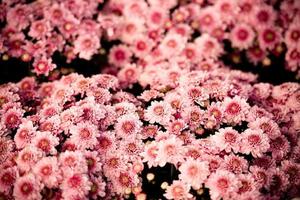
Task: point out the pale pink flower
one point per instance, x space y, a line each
159 112
128 75
85 135
43 65
127 125
156 17
48 172
75 183
12 118
130 28
27 187
93 161
227 9
208 19
268 126
242 36
24 134
46 142
178 191
119 55
235 164
150 154
169 151
194 172
221 184
98 187
235 109
8 177
141 46
254 142
208 46
263 15
40 29
86 45
72 161
27 157
172 45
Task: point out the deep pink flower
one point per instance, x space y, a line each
27 187
178 190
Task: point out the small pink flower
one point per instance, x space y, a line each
86 45
178 190
208 19
159 111
27 187
235 109
221 184
128 125
8 177
24 134
263 16
12 118
43 65
235 164
119 55
75 183
93 161
98 187
169 151
27 157
268 37
72 161
268 126
194 172
46 142
172 45
242 36
40 29
128 75
85 135
156 17
142 45
47 171
150 154
208 46
254 142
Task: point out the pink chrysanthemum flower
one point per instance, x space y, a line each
93 161
263 16
235 109
85 135
27 187
27 157
48 172
292 169
142 46
172 45
43 65
254 142
131 27
279 147
8 177
128 125
72 161
178 190
124 180
98 187
27 83
75 183
277 181
106 142
221 184
268 126
208 19
156 17
40 29
268 37
12 118
248 187
119 55
208 46
128 75
46 142
159 112
194 172
24 134
235 164
292 35
175 127
242 36
86 45
227 9
256 54
169 151
150 154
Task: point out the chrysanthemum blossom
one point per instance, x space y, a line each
84 134
86 45
254 142
27 187
242 36
46 142
119 55
8 177
127 125
178 190
159 112
221 184
150 154
227 139
47 170
194 172
43 65
72 161
235 109
27 157
268 126
208 46
235 164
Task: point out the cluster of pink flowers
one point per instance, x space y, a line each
90 138
149 32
